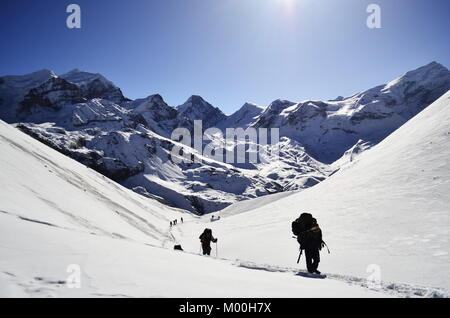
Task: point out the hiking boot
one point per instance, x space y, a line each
317 272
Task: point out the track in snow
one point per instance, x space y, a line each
390 288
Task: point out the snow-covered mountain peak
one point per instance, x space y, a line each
248 112
244 117
80 77
270 117
433 74
54 93
193 100
279 104
337 99
152 102
13 88
155 98
154 113
194 103
74 71
27 81
44 73
196 108
94 85
432 69
250 106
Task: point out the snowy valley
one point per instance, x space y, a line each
87 179
64 214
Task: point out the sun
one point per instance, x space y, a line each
288 4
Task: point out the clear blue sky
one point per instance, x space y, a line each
228 51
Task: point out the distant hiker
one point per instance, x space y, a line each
205 239
170 223
213 218
182 220
174 222
309 236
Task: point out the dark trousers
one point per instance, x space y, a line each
206 249
312 259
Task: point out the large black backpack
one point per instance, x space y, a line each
302 224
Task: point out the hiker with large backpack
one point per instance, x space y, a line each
205 239
309 236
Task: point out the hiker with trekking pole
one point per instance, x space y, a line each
309 236
205 239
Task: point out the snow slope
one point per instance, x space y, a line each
55 212
42 185
35 266
390 207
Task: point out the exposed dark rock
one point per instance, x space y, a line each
53 94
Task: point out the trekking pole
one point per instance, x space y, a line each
326 246
300 255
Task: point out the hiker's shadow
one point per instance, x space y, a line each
308 275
